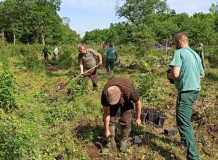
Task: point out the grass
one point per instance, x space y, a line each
52 124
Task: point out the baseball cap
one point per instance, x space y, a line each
113 94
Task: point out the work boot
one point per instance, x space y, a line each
124 138
111 144
123 147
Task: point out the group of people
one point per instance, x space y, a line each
120 95
45 53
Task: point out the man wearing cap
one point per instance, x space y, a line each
119 93
87 61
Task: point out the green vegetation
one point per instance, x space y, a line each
152 21
40 120
7 100
51 123
35 21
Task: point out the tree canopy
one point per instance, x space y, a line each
150 21
34 21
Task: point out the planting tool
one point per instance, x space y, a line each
62 85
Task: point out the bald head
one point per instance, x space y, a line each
181 40
82 49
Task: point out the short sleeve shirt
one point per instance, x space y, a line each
111 53
190 69
88 60
129 93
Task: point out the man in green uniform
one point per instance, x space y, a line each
200 52
87 61
186 71
118 94
111 57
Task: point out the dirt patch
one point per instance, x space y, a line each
54 67
50 67
92 151
213 130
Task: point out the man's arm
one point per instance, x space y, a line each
81 68
100 59
202 54
175 72
138 105
106 119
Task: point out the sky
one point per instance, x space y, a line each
87 15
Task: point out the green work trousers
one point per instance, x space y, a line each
110 64
185 102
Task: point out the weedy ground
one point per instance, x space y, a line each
52 123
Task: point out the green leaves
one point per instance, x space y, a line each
33 63
7 100
33 21
141 11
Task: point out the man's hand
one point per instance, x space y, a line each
138 122
138 105
100 63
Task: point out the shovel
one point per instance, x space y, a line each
62 85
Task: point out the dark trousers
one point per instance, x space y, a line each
185 102
93 75
109 64
125 118
46 56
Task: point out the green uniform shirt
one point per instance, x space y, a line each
190 69
200 52
88 60
111 53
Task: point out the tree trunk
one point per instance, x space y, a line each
43 39
42 33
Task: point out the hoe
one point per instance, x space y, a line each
62 85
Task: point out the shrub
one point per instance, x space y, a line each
143 83
65 59
76 87
32 63
4 61
15 139
7 99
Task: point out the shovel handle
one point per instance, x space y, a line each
81 74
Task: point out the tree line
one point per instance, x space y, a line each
35 21
150 21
